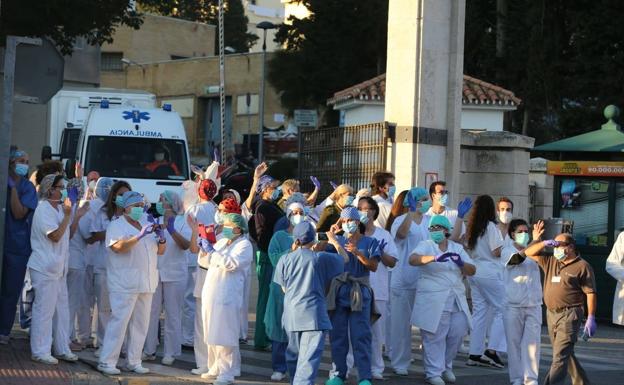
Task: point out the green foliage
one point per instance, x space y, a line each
66 20
343 42
207 11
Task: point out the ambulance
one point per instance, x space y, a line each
122 135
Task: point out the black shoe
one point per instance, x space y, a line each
494 357
475 360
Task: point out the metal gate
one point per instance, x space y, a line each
348 155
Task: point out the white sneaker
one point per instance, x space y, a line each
377 376
435 381
48 359
138 369
463 349
69 357
449 376
167 360
277 376
208 376
110 370
199 371
400 372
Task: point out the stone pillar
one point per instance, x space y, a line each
424 74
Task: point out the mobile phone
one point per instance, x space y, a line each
202 231
321 237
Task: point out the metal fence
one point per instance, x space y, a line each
348 155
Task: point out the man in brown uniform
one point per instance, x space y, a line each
568 281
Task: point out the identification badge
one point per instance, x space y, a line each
556 279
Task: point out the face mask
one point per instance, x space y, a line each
119 201
275 194
364 217
391 191
218 218
228 233
559 253
296 219
349 227
504 216
522 239
160 209
349 200
443 199
159 157
437 236
136 212
21 169
424 206
92 185
63 194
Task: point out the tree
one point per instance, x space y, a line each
207 11
341 43
66 20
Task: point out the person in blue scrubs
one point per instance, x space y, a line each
304 275
352 313
20 206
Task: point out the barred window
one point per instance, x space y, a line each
111 61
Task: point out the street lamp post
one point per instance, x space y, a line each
264 25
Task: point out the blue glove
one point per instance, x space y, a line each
411 203
551 243
171 225
159 233
150 219
216 155
464 207
334 185
456 259
382 246
590 326
443 257
205 246
146 208
10 182
72 194
315 182
147 229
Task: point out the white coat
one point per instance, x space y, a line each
404 275
523 287
615 268
48 258
173 264
222 294
438 281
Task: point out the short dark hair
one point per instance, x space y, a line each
504 199
379 180
515 223
433 185
373 204
569 240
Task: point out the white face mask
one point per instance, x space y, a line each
92 185
504 216
159 156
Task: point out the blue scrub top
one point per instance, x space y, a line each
368 246
17 231
305 274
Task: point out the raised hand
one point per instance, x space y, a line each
538 230
463 207
216 156
78 170
67 206
333 184
82 209
411 203
171 225
260 170
145 230
192 222
72 195
315 182
551 243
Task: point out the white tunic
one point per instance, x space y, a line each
488 265
100 254
173 264
48 258
404 275
615 267
523 286
95 206
379 278
204 212
385 207
78 243
222 294
438 282
134 271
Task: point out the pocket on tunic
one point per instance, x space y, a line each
126 281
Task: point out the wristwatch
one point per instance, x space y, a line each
162 241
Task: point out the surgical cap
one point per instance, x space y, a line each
417 193
230 206
45 185
103 187
264 182
293 206
174 200
350 212
16 154
238 221
304 232
440 220
296 198
131 198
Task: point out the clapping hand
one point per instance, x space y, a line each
463 207
315 182
456 259
72 195
538 230
171 225
159 233
443 257
411 202
147 229
215 155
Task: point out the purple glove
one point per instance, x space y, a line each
150 219
334 185
72 194
171 225
590 326
205 246
443 257
147 229
216 156
464 207
456 259
315 182
146 208
411 203
551 243
382 246
159 233
10 182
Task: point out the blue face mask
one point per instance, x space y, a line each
136 212
522 239
349 200
349 227
424 206
21 169
391 191
295 219
119 201
444 199
228 232
559 253
160 208
364 217
275 194
437 236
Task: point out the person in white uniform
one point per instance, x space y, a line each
112 209
222 296
172 271
382 191
408 230
439 200
132 277
441 292
615 268
522 316
48 266
485 242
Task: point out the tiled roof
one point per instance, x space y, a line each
474 92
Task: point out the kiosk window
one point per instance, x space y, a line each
586 202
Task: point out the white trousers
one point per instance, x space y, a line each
130 312
523 326
487 315
226 364
79 306
379 338
244 326
50 315
440 348
103 303
171 295
188 310
401 306
199 343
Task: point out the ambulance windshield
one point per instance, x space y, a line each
141 158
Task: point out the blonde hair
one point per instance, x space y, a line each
290 184
339 191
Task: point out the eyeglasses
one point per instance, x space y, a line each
443 192
436 228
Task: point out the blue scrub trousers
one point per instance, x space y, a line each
303 356
13 272
278 356
357 324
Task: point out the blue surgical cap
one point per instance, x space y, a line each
131 198
264 182
440 220
350 212
304 232
103 187
417 193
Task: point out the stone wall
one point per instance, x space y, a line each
544 184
